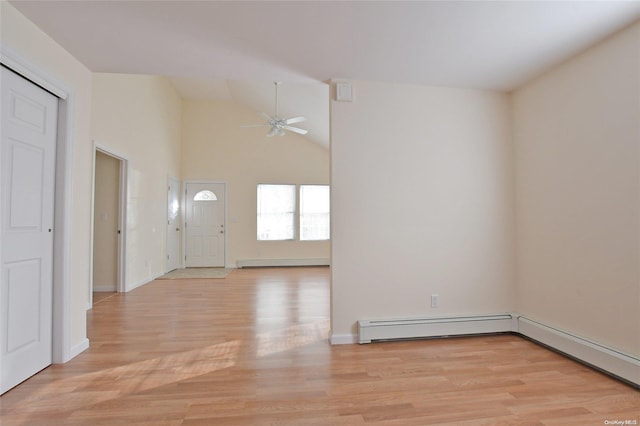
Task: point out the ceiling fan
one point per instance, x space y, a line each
279 125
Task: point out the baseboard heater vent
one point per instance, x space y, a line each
257 263
412 328
621 365
611 361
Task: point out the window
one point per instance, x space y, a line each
205 195
314 212
276 212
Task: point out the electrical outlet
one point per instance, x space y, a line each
435 300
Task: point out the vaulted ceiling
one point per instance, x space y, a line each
236 49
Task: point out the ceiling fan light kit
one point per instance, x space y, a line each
279 125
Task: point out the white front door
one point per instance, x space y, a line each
173 224
29 127
205 241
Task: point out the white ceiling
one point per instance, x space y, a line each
481 44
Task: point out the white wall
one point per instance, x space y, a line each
422 203
216 148
139 118
30 43
577 136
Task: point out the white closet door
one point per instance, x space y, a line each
29 120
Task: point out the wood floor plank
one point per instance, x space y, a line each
252 349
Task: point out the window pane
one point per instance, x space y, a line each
314 212
276 212
205 195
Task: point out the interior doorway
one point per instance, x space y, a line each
109 195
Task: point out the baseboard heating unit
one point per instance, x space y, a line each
623 366
370 330
257 263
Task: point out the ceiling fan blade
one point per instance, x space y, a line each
265 115
255 125
296 130
295 120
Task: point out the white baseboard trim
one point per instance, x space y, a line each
602 357
408 328
141 283
343 339
248 263
79 348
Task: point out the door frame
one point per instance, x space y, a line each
121 258
184 216
62 349
173 179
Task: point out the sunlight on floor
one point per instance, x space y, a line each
140 376
292 337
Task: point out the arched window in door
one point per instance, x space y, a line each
205 195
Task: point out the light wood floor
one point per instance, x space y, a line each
251 349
